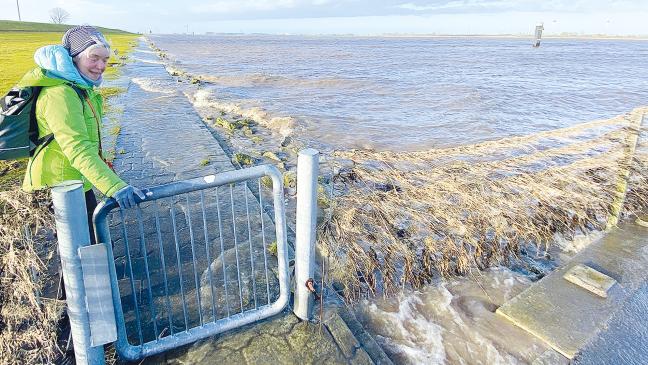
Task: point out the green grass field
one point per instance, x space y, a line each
18 42
14 26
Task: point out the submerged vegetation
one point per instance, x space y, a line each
243 159
400 219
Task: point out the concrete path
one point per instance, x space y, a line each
162 139
568 317
624 339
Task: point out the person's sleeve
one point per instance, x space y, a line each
63 112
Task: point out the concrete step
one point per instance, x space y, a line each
568 316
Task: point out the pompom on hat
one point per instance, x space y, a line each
79 38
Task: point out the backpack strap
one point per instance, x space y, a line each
45 140
33 124
81 92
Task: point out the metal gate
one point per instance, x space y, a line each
195 258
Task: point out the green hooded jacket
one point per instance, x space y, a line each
74 152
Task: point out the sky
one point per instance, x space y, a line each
360 17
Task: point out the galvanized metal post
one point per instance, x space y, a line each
307 171
72 232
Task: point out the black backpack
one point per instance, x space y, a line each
18 126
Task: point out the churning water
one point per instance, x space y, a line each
409 94
416 93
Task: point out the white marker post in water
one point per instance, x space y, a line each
538 34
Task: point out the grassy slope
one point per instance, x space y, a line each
11 25
16 57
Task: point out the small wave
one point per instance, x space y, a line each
420 341
156 62
153 85
256 79
285 126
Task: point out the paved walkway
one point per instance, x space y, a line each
585 326
162 139
624 338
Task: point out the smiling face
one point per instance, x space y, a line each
92 62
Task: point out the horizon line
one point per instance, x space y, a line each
572 35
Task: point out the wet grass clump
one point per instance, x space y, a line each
243 159
230 126
108 92
272 248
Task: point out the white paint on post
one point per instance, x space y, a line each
307 171
72 232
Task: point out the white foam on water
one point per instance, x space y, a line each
171 69
453 322
151 61
578 242
153 85
204 98
410 335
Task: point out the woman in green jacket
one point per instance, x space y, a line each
69 108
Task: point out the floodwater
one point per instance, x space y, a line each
453 322
412 94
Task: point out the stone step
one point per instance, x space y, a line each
567 316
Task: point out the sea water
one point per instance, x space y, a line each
415 93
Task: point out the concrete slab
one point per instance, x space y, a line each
590 279
568 317
642 221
